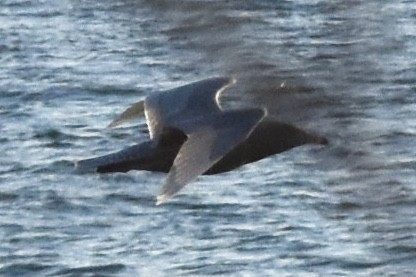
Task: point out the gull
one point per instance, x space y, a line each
190 135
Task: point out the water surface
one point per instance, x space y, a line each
344 69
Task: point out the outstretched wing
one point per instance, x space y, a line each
176 108
218 135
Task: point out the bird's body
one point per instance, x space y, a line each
190 135
270 137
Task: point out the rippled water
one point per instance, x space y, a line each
344 69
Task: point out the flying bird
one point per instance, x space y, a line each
190 134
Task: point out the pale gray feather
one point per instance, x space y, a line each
174 108
181 107
134 111
218 135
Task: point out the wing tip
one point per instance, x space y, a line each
162 198
83 167
114 123
136 110
232 80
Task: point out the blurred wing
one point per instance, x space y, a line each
207 145
136 110
178 107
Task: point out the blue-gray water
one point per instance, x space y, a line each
348 72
